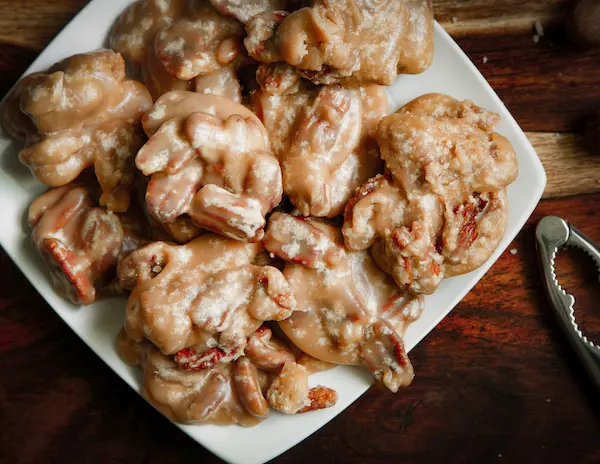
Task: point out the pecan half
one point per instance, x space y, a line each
383 351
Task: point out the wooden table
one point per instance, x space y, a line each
496 381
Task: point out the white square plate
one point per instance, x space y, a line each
98 324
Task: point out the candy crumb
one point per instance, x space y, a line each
539 29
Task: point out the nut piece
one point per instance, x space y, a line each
80 243
247 383
289 391
453 134
324 138
260 41
326 133
349 42
410 254
209 158
181 45
442 210
205 295
14 122
267 353
376 206
193 359
227 393
132 352
83 112
138 24
201 42
383 351
313 365
298 240
223 82
473 230
320 397
278 79
338 292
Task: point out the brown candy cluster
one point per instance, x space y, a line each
441 210
264 214
83 112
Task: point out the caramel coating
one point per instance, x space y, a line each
261 42
268 352
221 395
244 10
209 158
223 82
289 391
80 243
277 79
325 140
15 123
205 297
198 44
349 42
342 293
247 382
452 143
442 210
177 42
82 113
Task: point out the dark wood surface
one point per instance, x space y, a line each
496 381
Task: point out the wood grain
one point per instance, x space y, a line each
484 17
